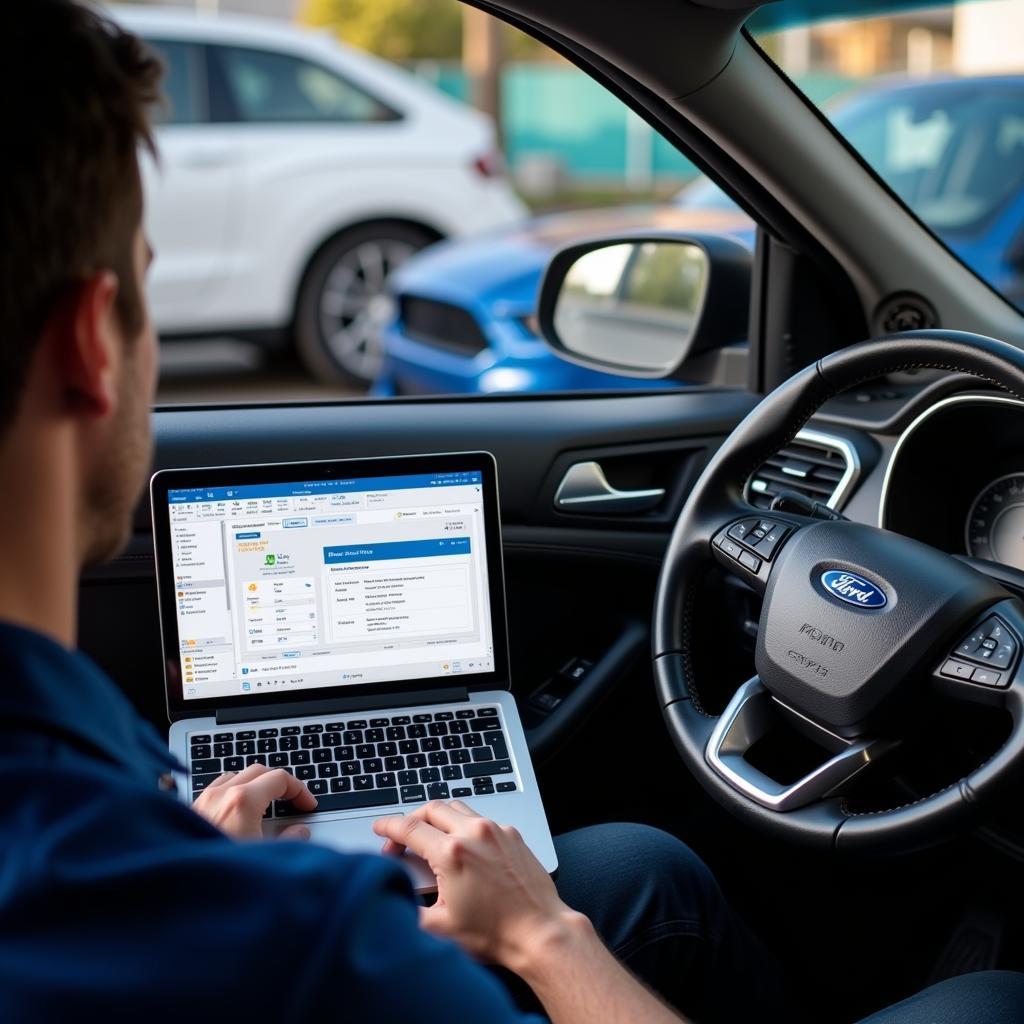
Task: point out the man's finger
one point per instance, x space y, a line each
392 849
294 832
278 784
253 771
443 816
222 780
435 920
413 833
462 808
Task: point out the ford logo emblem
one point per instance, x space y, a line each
853 589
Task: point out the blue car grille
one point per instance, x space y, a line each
442 325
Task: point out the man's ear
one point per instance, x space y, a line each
89 345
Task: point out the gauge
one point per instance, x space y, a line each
995 524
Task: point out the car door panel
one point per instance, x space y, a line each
192 192
192 204
578 586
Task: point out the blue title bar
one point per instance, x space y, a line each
396 549
300 489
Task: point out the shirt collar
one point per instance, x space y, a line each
46 687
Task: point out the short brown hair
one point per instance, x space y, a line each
78 91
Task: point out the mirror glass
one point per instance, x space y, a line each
633 306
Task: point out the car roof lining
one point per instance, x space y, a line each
693 44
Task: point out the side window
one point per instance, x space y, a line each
185 100
258 86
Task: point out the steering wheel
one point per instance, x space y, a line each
855 620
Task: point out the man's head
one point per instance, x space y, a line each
77 351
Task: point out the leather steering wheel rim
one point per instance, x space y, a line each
716 497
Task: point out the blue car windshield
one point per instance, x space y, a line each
932 97
953 151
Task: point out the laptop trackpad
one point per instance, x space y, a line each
356 835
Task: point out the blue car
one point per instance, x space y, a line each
463 321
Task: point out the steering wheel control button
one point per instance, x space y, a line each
732 549
740 531
987 677
749 561
991 644
1003 656
957 670
971 644
761 536
771 540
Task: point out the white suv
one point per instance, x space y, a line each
294 175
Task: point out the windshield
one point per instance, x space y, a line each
953 151
933 99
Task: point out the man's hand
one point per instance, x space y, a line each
237 801
493 896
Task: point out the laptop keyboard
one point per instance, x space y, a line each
369 762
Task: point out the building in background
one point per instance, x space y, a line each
976 37
989 37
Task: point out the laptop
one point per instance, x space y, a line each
346 621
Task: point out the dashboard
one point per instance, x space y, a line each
955 479
917 456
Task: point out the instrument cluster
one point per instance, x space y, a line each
995 522
956 479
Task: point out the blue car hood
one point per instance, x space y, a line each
501 271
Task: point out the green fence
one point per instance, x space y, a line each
557 112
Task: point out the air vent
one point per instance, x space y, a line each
820 466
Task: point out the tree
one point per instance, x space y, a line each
483 56
409 29
396 29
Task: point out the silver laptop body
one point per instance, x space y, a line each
345 621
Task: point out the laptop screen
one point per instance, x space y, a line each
292 585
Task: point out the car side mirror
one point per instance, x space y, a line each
642 305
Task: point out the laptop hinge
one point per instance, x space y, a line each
341 706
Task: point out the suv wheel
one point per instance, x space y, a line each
343 299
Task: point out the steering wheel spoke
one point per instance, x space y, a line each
750 716
748 544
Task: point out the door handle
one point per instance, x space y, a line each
585 488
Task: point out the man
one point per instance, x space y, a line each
116 900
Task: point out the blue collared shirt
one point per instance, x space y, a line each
118 901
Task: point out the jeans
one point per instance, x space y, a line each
988 997
658 908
